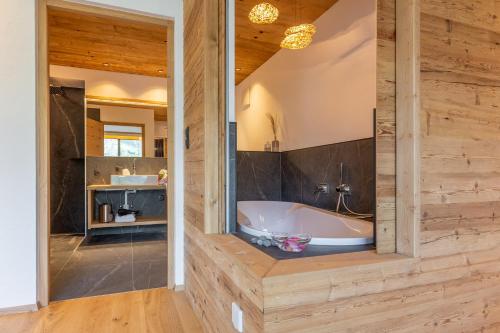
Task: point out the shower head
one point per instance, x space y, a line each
55 90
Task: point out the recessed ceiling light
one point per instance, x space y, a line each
106 64
238 69
160 71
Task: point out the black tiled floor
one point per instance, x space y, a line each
105 264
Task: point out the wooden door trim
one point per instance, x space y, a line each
43 156
171 208
43 143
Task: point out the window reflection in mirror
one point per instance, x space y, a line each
118 131
123 141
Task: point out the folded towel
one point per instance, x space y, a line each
125 218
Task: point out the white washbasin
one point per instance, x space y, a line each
134 180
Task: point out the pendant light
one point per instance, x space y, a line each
263 13
299 36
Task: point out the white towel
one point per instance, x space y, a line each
125 218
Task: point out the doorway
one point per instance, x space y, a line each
109 235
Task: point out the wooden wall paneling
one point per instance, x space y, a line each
194 117
95 138
460 137
454 286
385 136
202 71
408 127
222 269
212 142
445 294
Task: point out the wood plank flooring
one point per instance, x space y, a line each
152 311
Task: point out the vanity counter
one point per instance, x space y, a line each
109 187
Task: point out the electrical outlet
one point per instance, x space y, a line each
237 316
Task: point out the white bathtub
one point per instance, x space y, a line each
262 218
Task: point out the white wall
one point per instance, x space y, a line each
18 142
18 149
322 94
117 85
120 114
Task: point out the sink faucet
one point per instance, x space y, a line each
133 167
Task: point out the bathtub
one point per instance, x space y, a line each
262 218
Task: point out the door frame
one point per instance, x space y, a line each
43 135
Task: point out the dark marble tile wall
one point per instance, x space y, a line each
148 203
258 176
232 181
67 141
301 170
100 169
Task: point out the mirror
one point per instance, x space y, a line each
125 131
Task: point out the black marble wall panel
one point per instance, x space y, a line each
303 169
258 176
150 203
232 181
100 169
67 163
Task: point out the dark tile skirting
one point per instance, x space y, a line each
293 175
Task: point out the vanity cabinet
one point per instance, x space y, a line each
92 212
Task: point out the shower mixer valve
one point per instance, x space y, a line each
344 188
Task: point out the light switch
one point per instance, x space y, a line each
237 316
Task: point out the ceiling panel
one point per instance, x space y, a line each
104 43
256 43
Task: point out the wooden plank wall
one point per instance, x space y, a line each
455 286
385 123
460 126
201 113
219 271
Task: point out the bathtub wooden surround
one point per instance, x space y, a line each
449 278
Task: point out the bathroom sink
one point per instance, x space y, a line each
134 180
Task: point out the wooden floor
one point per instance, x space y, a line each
151 311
